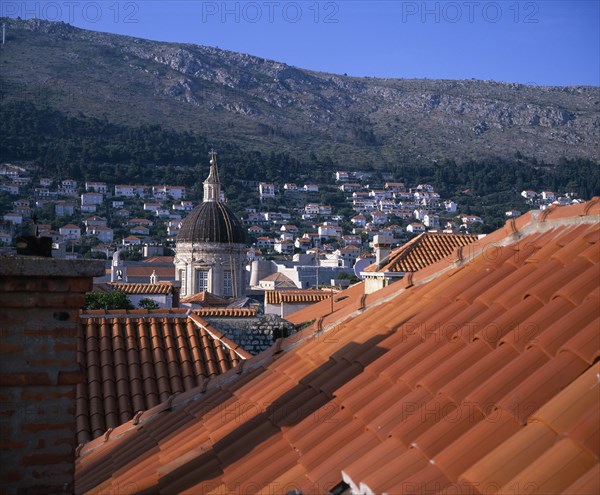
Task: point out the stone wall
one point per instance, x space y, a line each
254 334
40 300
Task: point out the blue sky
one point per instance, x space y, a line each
543 42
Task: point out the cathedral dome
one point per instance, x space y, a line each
212 221
210 250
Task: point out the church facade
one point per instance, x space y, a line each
211 245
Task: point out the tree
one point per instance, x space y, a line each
107 300
148 303
132 255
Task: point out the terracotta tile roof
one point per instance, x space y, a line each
277 277
143 288
170 312
135 360
205 298
296 296
160 259
226 312
425 249
137 312
280 280
477 374
146 271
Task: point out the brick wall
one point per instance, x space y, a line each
40 300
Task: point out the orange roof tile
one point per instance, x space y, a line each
280 281
296 296
423 250
436 384
146 271
143 288
205 298
160 259
226 312
132 362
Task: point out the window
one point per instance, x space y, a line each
183 280
201 280
228 283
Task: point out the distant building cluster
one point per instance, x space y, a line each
308 246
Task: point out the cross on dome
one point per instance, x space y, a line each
212 185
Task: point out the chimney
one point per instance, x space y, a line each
176 287
382 244
40 299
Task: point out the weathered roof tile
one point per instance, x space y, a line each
423 250
132 363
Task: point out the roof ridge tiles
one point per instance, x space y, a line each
590 205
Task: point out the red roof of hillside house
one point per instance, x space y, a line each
476 374
134 360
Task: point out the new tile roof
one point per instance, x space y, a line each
182 312
133 362
226 312
147 271
160 259
477 374
143 288
423 250
206 299
296 296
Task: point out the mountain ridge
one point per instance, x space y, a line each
265 105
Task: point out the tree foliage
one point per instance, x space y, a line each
107 300
148 303
87 148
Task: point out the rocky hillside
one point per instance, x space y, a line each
269 106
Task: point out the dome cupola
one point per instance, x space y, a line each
212 220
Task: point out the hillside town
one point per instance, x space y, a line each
99 217
306 246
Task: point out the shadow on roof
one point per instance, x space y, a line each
251 426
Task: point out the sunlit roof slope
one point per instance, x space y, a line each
477 374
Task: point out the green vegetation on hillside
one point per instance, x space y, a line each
268 107
87 148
